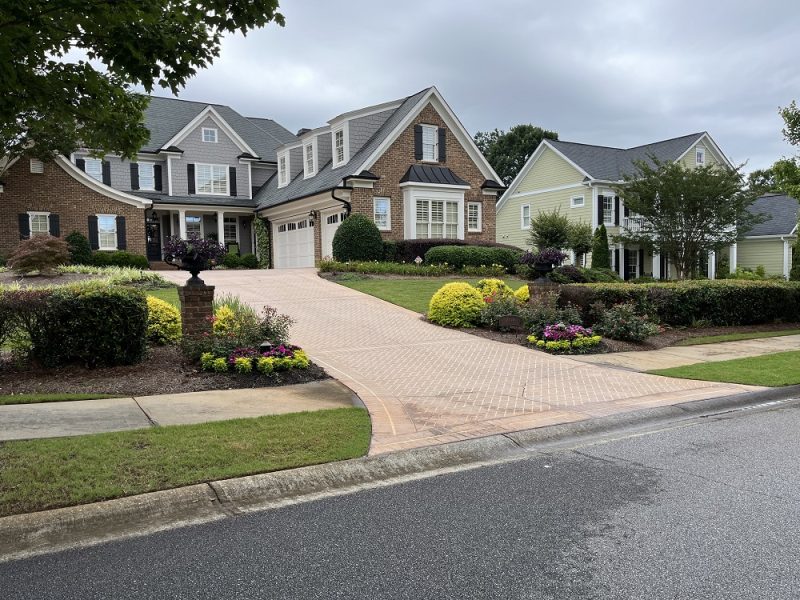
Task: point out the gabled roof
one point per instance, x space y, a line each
430 174
166 117
781 211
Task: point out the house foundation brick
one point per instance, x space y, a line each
196 309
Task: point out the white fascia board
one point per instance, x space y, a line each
209 111
299 207
365 112
569 186
101 188
435 98
767 237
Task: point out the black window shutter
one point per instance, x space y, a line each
81 164
600 210
626 212
24 226
106 172
625 264
641 262
190 177
94 239
122 242
232 180
55 225
417 142
134 176
157 177
616 210
442 144
616 259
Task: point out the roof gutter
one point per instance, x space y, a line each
347 206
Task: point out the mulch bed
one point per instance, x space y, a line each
164 371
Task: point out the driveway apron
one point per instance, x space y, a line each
425 384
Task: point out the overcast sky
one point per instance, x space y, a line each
616 73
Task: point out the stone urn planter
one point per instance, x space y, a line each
540 265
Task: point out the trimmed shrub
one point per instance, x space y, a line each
498 306
231 261
409 250
456 304
390 251
80 252
493 287
523 293
474 256
622 322
249 261
42 253
163 322
601 254
567 274
357 238
119 258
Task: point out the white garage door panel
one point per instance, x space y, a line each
294 244
330 223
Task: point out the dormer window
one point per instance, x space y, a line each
430 149
340 153
283 170
93 168
210 135
309 160
700 156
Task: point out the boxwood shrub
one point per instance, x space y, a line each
682 303
473 256
357 238
119 258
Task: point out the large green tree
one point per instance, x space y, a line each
70 66
507 151
786 171
687 211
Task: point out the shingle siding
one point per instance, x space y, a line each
361 130
261 175
324 150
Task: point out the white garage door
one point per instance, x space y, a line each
294 244
330 223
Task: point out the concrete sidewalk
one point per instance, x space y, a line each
57 419
679 356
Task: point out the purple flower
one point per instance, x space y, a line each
548 256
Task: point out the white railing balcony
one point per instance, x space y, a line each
633 224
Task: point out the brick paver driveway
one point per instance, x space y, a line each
424 384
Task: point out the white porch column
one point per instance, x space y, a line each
712 265
656 265
732 257
182 223
220 227
621 262
787 258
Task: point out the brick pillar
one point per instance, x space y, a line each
196 309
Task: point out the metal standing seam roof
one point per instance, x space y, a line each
431 174
781 211
611 164
327 177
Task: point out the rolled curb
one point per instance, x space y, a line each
27 535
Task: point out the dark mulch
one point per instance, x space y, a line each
164 371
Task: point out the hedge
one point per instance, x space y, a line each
683 303
93 323
411 269
473 256
119 258
409 250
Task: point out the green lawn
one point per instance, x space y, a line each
735 337
413 294
36 398
50 473
770 370
169 294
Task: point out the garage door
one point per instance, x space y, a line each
294 244
330 223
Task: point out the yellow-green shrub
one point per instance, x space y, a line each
523 294
163 322
456 304
491 287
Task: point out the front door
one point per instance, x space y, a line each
153 229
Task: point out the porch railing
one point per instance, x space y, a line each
633 224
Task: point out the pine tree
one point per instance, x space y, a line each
601 254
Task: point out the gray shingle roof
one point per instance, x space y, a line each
165 117
198 200
327 177
611 164
781 211
429 174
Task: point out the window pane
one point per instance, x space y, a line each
429 143
452 212
94 168
381 212
209 135
339 140
437 212
309 159
229 229
203 174
39 224
147 178
107 232
193 225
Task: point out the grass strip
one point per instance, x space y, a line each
56 472
735 337
7 399
769 370
169 294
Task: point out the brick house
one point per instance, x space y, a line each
409 165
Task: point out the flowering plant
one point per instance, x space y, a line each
193 251
562 331
548 256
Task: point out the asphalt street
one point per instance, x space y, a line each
708 510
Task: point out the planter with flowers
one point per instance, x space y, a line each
564 338
542 263
194 254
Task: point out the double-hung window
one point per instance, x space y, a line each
283 171
525 216
700 156
310 162
437 219
93 168
430 143
230 230
338 147
211 179
474 216
107 232
147 177
381 214
194 225
40 223
608 210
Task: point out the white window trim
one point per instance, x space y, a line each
153 165
435 158
388 212
287 175
227 191
236 219
202 224
33 213
612 212
573 204
203 135
700 152
313 145
480 217
116 233
345 129
523 222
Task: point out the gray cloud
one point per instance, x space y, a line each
617 73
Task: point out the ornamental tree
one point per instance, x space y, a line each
601 254
549 230
75 63
687 211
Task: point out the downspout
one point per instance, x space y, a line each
347 206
